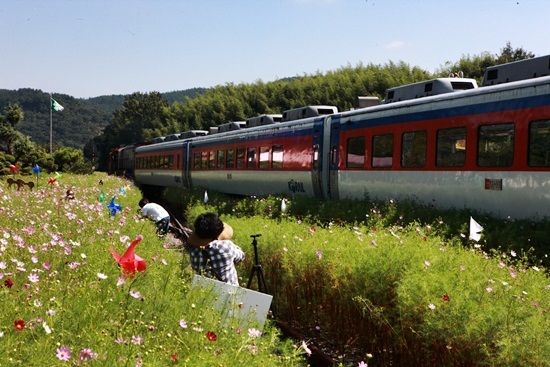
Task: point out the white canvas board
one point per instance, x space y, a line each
251 307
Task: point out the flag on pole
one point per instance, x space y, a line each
56 106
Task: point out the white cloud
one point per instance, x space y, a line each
394 45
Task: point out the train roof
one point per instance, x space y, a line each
518 70
428 88
308 111
264 120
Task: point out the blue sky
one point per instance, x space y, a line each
89 48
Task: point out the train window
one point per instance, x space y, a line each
211 159
204 160
221 159
263 162
413 149
495 145
230 162
539 143
171 161
382 150
197 161
277 157
451 147
355 157
251 158
240 158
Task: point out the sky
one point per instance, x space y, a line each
90 48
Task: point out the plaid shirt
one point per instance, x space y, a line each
217 260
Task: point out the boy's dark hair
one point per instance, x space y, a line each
208 225
143 202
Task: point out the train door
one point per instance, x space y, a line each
320 163
332 150
186 164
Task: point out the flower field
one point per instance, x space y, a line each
372 284
66 301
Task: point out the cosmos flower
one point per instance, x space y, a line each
19 325
183 323
446 298
87 354
34 278
254 333
63 353
135 294
8 283
210 335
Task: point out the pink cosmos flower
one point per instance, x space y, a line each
87 354
254 333
183 323
63 353
34 278
135 294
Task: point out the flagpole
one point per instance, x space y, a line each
51 118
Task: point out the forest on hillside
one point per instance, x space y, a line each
99 124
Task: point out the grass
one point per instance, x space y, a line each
398 281
387 283
65 300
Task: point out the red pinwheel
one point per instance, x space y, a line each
14 168
52 181
130 262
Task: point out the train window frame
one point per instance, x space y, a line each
204 160
536 146
277 156
384 158
211 159
485 158
451 147
171 161
197 160
264 157
240 158
230 159
414 149
251 158
355 147
220 162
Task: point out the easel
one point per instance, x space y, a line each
257 268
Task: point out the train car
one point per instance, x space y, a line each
262 160
486 148
121 161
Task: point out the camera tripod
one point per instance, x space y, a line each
257 268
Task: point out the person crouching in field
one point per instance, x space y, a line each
211 250
156 213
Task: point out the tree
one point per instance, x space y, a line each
66 158
13 116
508 54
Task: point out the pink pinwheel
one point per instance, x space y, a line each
130 262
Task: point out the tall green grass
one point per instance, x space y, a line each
65 301
399 281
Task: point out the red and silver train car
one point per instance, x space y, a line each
444 142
